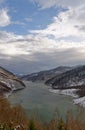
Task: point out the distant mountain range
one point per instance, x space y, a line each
72 78
9 82
61 77
43 76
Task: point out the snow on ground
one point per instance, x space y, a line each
80 101
7 83
70 92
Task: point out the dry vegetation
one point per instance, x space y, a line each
13 118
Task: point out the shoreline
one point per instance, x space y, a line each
70 92
6 95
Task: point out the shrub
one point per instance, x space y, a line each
13 118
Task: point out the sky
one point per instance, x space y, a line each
39 35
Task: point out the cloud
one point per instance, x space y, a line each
12 44
6 37
36 52
66 23
43 4
82 28
4 18
42 61
62 42
70 23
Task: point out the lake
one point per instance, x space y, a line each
39 102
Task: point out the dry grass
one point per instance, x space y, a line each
13 118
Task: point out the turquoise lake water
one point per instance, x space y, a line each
38 102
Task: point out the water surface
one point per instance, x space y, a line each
37 101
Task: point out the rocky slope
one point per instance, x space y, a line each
9 82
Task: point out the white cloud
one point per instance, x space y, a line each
4 18
6 37
65 32
12 50
66 24
64 3
61 42
36 52
11 44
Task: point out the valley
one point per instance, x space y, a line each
40 103
62 80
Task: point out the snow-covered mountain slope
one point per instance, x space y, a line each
45 75
9 82
72 78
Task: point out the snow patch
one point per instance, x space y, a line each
80 101
71 92
6 83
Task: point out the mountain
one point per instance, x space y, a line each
69 79
60 77
9 82
45 75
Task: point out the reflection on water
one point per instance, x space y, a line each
39 102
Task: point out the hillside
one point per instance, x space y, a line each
68 79
45 75
9 82
62 78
